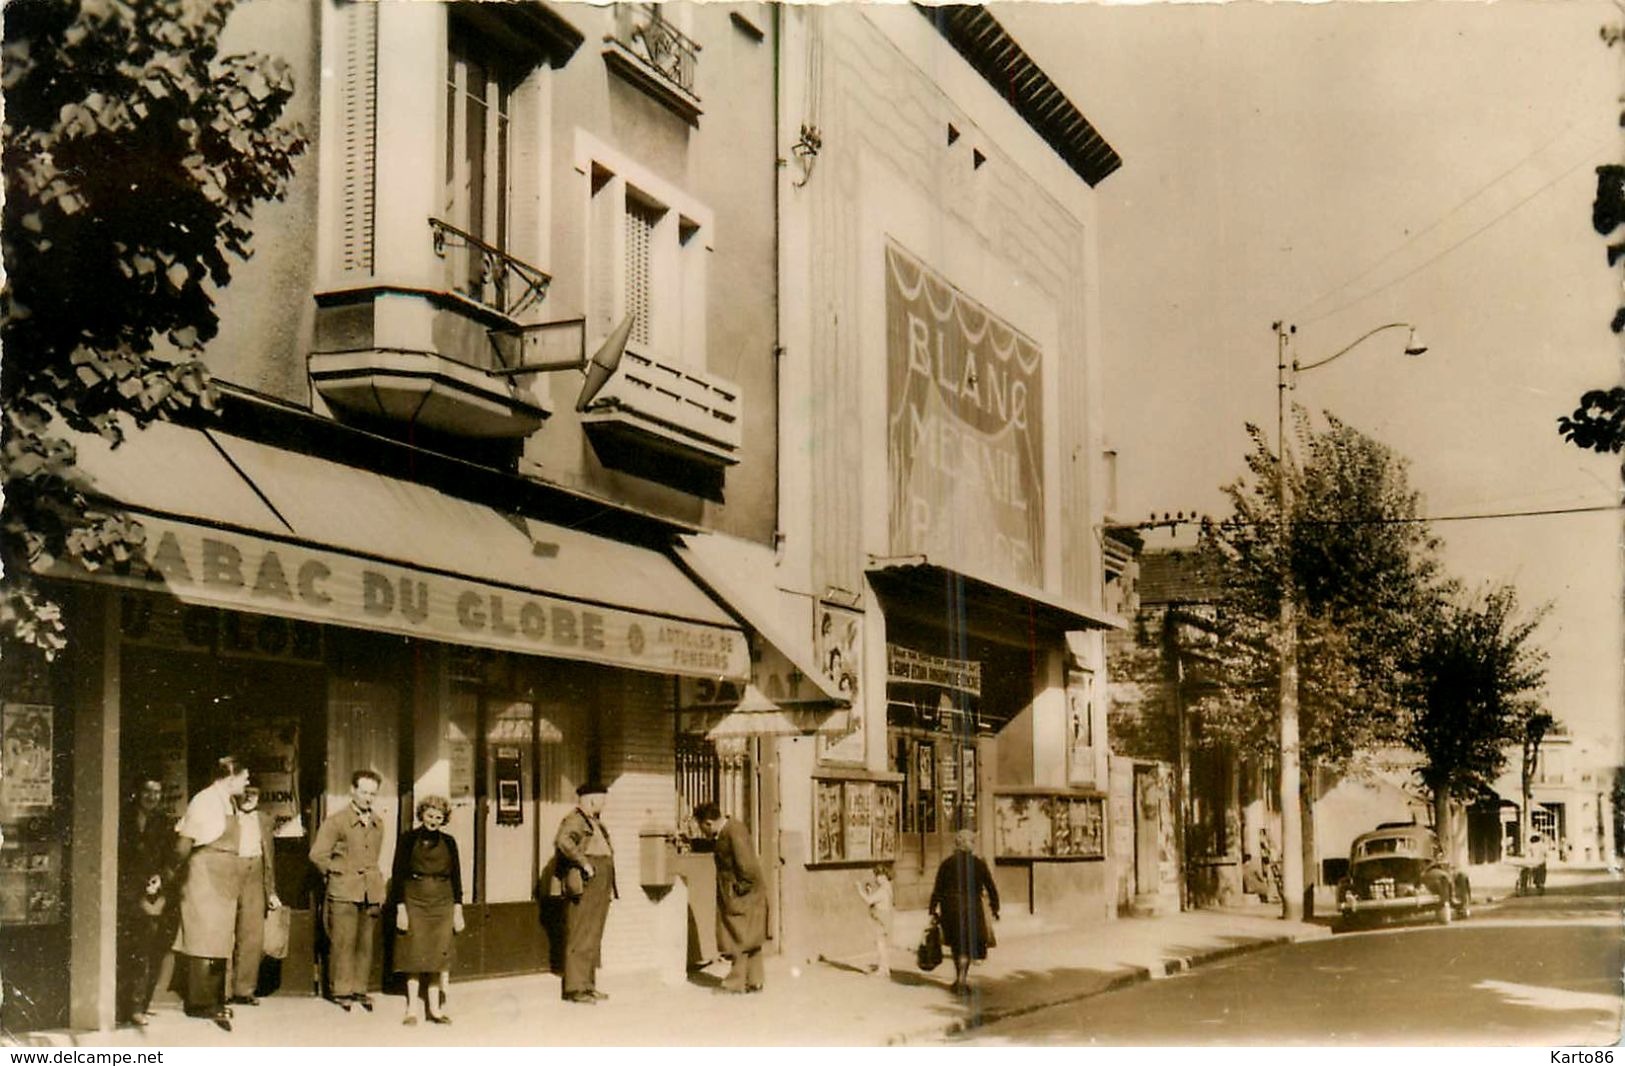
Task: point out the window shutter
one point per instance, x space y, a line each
358 136
640 226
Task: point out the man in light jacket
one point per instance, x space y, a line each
346 852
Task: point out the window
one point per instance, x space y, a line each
645 257
478 90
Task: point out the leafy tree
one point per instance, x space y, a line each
134 154
1141 718
1535 727
1598 423
1361 564
1478 678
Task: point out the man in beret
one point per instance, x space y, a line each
585 867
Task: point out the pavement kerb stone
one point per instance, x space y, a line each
1130 976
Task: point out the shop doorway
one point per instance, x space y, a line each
941 771
183 709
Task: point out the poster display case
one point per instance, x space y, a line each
855 820
1049 826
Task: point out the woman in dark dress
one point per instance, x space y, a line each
957 904
427 892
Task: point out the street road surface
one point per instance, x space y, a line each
1534 971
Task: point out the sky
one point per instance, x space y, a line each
1341 166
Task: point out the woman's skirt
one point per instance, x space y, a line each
425 947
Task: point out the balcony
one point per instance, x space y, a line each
424 388
680 411
439 372
656 56
489 276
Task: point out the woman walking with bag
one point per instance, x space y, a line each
965 902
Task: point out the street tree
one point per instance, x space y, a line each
1477 677
1361 563
1597 423
134 155
1535 727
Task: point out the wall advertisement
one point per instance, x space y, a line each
855 821
1080 726
964 434
838 644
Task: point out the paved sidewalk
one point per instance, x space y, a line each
821 1003
1496 881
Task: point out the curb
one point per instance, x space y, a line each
1126 978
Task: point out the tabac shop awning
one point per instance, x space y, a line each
237 524
789 694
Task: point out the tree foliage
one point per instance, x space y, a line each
1360 563
134 154
1477 678
1141 719
1598 422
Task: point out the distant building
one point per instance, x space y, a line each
1571 801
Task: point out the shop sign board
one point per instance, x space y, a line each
246 573
151 621
907 666
964 431
773 674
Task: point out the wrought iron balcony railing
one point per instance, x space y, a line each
486 274
644 31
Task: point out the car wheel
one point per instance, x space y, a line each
1466 897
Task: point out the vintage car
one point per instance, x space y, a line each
1396 871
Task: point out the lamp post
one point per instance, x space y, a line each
1292 856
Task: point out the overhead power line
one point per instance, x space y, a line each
1441 220
1170 523
1430 260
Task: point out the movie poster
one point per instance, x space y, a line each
25 756
860 802
829 829
1080 726
838 643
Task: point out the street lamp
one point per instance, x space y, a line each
1292 873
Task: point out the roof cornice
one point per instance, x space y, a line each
988 47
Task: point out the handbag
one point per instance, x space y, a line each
987 921
928 956
574 883
276 933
